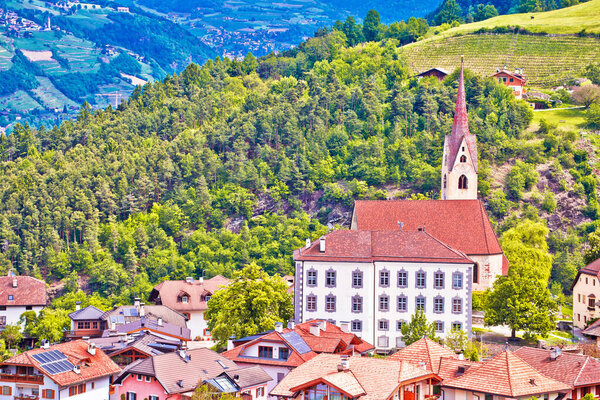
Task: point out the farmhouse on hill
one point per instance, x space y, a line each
514 80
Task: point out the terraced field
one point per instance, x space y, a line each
546 60
19 100
50 96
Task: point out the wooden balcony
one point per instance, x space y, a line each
35 379
26 397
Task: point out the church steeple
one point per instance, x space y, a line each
461 122
459 165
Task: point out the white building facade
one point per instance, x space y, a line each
380 293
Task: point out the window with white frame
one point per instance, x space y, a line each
357 279
356 325
311 302
457 280
384 325
311 277
421 280
438 280
330 303
438 305
399 324
384 278
456 305
439 326
384 303
420 303
402 303
330 278
402 279
357 304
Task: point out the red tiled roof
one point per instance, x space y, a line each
592 268
451 367
367 246
461 224
506 375
294 359
593 329
29 291
377 378
571 369
166 293
331 334
506 72
425 353
91 366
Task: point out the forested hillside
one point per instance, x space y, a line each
240 161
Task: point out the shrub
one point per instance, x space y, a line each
549 202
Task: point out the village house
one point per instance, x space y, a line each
459 220
424 353
438 73
74 370
125 349
580 372
19 294
190 298
506 376
586 293
340 377
376 280
92 322
514 80
176 375
158 327
281 350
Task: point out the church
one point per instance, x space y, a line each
400 256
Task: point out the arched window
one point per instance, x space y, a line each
462 182
445 180
476 273
463 158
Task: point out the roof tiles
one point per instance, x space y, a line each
424 352
29 291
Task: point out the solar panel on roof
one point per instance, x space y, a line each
296 342
53 362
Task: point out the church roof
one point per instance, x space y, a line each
460 128
461 224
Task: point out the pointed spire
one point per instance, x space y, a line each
461 123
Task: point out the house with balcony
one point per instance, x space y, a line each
85 322
281 350
19 294
76 370
125 349
514 80
176 375
157 327
341 377
190 298
586 295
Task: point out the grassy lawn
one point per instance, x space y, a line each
566 20
566 119
566 310
19 101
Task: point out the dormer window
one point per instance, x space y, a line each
207 297
184 299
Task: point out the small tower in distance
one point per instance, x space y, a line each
459 163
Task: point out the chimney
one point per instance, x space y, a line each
230 344
322 244
142 311
279 327
136 302
323 324
15 282
555 353
76 369
45 344
189 279
345 326
461 356
345 363
201 280
291 324
159 321
78 306
315 330
92 349
307 243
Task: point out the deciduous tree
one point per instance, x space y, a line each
253 302
417 328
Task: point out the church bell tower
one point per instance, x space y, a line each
459 164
